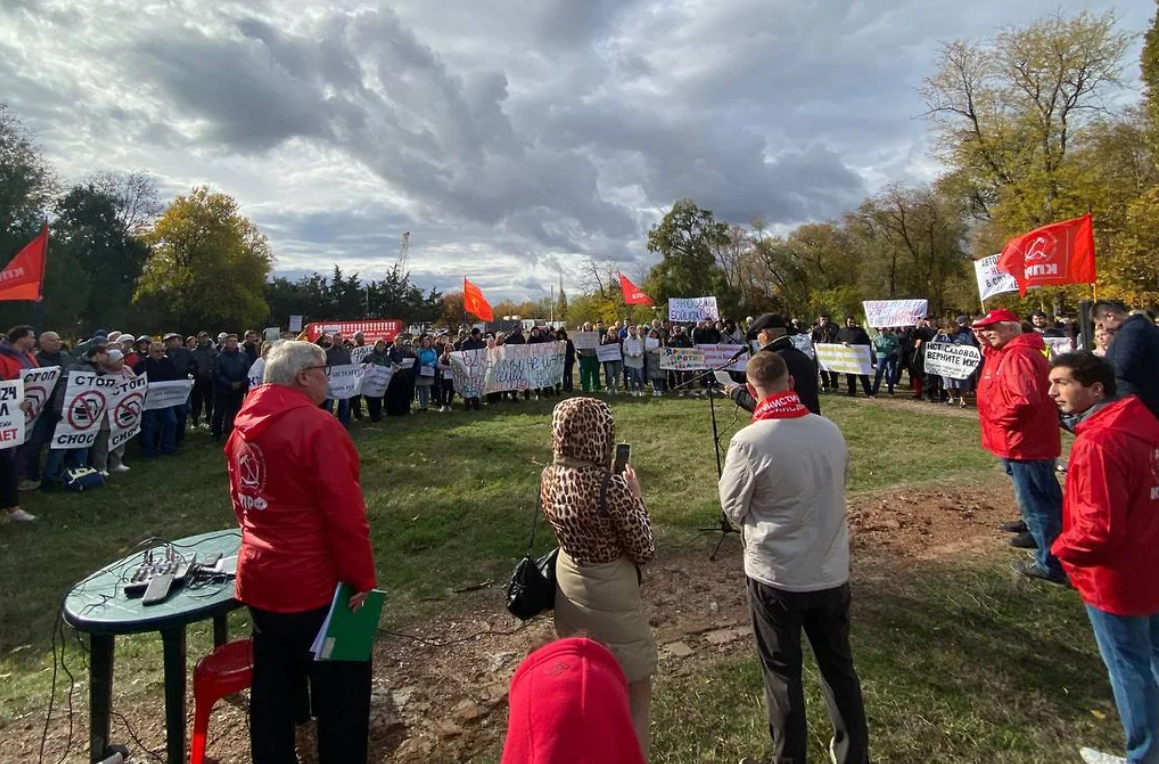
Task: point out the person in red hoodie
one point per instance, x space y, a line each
15 357
1110 536
1020 427
568 704
294 483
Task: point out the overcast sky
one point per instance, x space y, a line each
509 137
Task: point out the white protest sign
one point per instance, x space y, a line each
361 353
256 372
11 415
883 313
633 347
692 309
524 367
272 333
126 407
949 360
345 381
295 324
375 380
85 402
163 395
585 340
1059 345
38 387
844 360
610 352
470 370
682 359
651 343
992 281
716 356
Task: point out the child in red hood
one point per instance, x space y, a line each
569 705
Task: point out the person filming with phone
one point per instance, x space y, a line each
604 536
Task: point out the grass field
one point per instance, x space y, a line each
959 663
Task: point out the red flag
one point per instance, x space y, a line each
22 278
632 293
1060 253
475 302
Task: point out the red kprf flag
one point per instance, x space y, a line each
1060 253
632 293
23 277
475 302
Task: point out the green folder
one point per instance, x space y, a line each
347 636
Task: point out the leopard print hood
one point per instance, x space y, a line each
583 429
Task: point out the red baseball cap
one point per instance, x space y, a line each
996 317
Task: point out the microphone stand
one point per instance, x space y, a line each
722 525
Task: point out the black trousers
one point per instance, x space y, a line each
851 384
339 691
225 408
830 380
202 397
374 407
356 406
778 617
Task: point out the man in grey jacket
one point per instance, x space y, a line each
784 485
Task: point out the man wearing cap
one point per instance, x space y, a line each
1019 423
825 332
771 331
202 398
185 368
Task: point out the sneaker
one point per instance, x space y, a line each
1024 541
1091 756
119 469
962 403
28 485
1015 526
1033 570
104 473
18 515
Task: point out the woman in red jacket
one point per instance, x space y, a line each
15 356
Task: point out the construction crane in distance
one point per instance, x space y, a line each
403 252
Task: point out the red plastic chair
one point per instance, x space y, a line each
228 669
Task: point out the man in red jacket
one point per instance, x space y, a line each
294 482
1110 536
1020 426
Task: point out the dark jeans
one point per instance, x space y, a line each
181 416
374 408
60 459
1040 500
446 390
339 691
225 407
201 397
778 617
830 381
888 369
343 410
159 424
851 383
9 499
356 406
1130 649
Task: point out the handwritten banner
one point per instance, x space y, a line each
163 395
682 359
844 360
610 352
687 310
469 368
12 420
882 313
126 406
954 361
509 367
375 380
38 387
345 381
85 402
360 353
992 281
716 356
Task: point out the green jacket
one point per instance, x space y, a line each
886 345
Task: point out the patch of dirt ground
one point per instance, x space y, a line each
440 692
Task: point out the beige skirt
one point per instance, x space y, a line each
604 601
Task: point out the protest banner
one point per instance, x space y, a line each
633 347
295 324
585 340
1058 345
163 395
954 361
360 354
716 356
345 381
524 367
883 313
855 359
256 373
38 387
688 310
682 359
85 403
126 407
992 281
375 380
609 353
470 371
12 425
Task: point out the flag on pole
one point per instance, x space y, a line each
23 277
475 302
1060 253
632 293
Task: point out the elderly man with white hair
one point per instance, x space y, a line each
294 482
1020 426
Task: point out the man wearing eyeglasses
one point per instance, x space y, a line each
294 483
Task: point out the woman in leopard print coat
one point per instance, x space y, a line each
604 536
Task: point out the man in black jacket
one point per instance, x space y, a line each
1134 351
185 368
850 335
825 332
159 423
474 342
772 333
231 378
203 357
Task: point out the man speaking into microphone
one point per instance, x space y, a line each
771 331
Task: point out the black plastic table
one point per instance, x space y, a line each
97 606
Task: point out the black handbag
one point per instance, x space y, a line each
531 589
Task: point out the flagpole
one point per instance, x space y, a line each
38 309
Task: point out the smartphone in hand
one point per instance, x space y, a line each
623 453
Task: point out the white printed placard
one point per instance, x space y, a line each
12 418
633 348
682 359
992 281
883 313
949 360
652 343
715 356
855 359
1059 345
38 387
687 310
163 395
85 403
585 340
272 334
609 352
295 324
345 381
126 407
375 380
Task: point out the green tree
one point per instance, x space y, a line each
1149 71
687 240
208 266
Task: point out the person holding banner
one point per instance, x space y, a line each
851 335
589 364
568 360
400 393
633 346
887 347
445 386
473 342
15 357
94 361
657 374
105 460
186 368
426 365
338 355
825 332
158 424
680 340
613 369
